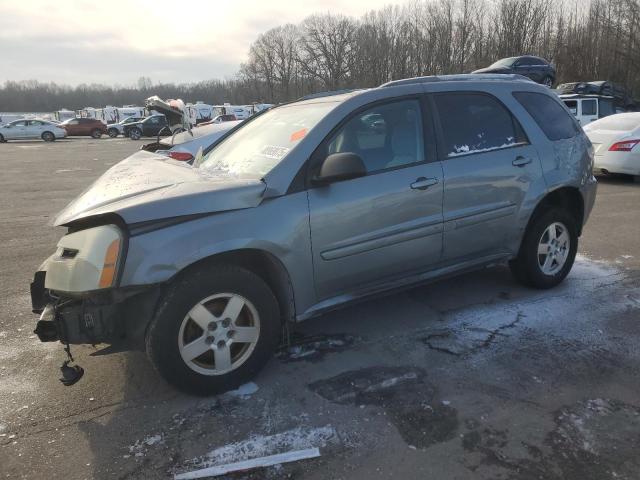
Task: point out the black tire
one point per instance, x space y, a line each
113 132
526 267
547 81
135 134
2 140
48 136
164 332
96 133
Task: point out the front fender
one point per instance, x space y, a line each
278 226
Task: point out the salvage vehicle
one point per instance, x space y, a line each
309 206
537 69
84 127
147 127
589 108
172 117
184 146
30 129
615 141
116 129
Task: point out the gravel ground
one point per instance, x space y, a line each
473 377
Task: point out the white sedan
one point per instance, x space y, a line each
28 129
615 141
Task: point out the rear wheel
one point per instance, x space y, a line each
548 250
48 137
135 134
113 132
96 133
216 329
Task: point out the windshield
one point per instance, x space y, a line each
505 62
261 144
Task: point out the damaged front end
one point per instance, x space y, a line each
76 293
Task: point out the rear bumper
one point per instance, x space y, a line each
618 162
117 317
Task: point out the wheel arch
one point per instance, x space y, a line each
567 198
264 264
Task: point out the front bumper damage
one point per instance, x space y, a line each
117 317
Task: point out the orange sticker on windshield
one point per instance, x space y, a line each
295 136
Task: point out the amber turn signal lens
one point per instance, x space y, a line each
109 268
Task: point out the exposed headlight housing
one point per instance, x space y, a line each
86 260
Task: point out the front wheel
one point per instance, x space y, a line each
548 250
48 137
96 133
113 132
135 134
2 140
216 329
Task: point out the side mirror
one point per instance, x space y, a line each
340 166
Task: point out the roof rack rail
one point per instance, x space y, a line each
462 77
326 94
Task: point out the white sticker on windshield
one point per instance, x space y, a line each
274 151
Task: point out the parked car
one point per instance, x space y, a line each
589 108
151 126
309 206
615 141
622 98
84 127
219 119
116 129
184 146
29 129
537 69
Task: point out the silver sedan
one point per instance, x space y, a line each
30 129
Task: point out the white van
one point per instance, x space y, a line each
588 108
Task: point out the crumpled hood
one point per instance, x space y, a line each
146 187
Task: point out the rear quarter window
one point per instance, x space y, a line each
553 120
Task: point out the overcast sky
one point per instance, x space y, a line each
117 41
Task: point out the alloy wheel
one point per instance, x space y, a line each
553 248
219 334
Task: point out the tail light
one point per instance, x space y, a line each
625 146
181 156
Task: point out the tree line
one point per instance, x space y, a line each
585 39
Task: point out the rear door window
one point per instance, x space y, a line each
589 107
475 122
553 120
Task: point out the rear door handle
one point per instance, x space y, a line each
521 162
422 183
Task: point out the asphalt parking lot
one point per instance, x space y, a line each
473 377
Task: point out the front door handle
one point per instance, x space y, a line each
521 162
422 183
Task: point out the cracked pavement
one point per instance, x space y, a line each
472 377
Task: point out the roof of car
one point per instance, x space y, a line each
464 77
573 96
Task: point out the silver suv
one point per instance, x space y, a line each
309 206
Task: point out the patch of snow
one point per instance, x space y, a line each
465 149
244 391
139 448
300 438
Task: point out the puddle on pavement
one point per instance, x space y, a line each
407 398
314 347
